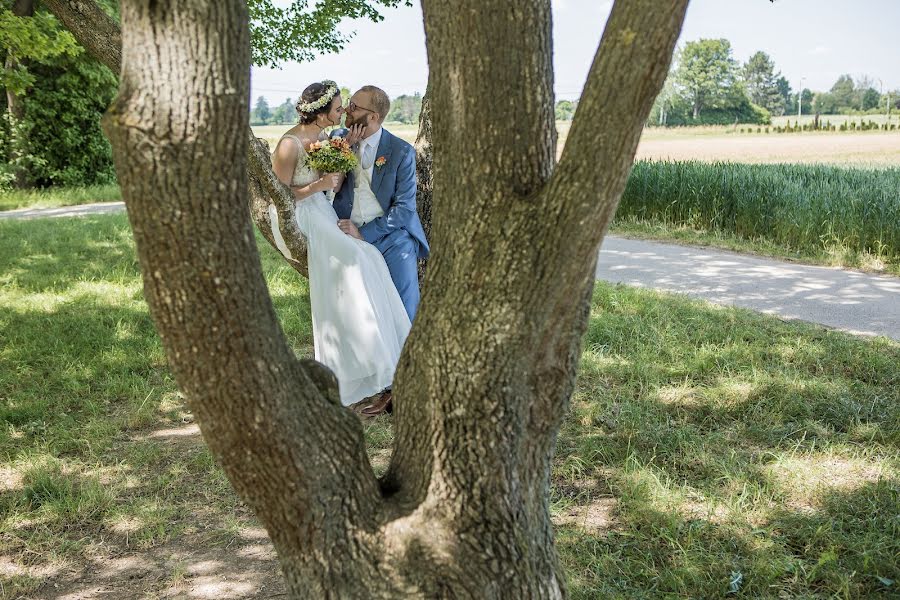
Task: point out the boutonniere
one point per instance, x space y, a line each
380 161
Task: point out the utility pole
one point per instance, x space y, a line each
800 100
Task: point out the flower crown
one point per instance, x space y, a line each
331 89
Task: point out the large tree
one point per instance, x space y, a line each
706 73
489 367
764 86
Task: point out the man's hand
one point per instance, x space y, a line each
347 226
355 133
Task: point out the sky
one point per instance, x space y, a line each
817 40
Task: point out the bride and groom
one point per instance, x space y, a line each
363 237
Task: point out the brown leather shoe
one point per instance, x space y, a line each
382 405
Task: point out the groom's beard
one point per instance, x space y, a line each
350 121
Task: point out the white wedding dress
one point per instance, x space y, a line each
359 322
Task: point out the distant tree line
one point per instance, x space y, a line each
404 109
707 86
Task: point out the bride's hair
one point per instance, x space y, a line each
313 95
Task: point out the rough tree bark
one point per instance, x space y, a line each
424 177
101 37
488 370
20 8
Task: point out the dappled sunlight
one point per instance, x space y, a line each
187 431
701 440
680 395
594 517
188 569
805 479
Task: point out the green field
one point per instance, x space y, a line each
852 215
706 447
720 142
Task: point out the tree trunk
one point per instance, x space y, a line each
101 36
488 370
20 8
424 177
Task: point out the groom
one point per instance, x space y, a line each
377 202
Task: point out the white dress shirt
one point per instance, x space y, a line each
365 204
368 148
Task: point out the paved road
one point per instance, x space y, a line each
847 300
65 211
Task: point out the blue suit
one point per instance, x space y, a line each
398 234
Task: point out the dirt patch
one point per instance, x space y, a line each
183 569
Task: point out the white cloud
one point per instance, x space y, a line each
818 50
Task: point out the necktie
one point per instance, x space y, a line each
365 156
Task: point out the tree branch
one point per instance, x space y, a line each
92 27
624 79
102 37
274 423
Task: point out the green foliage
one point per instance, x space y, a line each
765 87
706 74
870 98
705 87
825 103
298 33
62 94
32 39
843 91
59 141
737 109
565 110
784 88
406 109
796 206
283 114
261 113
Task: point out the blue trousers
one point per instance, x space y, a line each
400 251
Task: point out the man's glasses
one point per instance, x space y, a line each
353 106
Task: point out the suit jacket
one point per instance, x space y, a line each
394 184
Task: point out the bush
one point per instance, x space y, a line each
59 140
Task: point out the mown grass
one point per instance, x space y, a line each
814 211
58 196
706 447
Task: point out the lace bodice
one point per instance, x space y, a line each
302 173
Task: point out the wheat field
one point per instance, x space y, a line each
719 143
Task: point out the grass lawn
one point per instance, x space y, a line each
707 449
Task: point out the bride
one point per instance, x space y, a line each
359 321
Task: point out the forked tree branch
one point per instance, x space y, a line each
623 82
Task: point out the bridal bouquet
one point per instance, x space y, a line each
331 156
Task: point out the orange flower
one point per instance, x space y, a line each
380 162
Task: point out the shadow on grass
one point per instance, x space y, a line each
727 437
829 552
